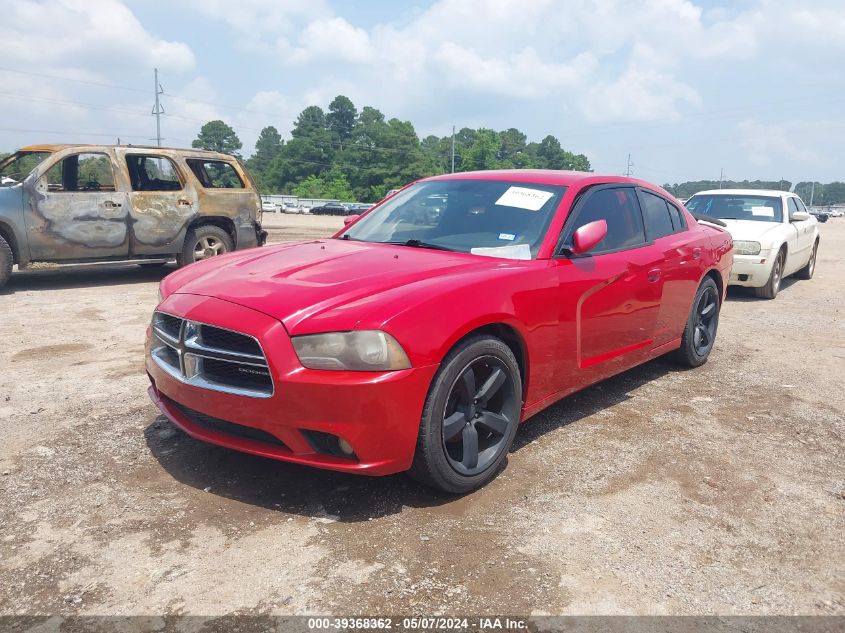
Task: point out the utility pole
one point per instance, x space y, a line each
721 176
630 165
453 149
158 110
812 193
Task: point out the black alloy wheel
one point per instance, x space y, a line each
476 420
470 416
702 323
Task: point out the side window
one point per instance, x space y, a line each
152 173
215 174
678 219
800 204
619 208
81 172
791 206
658 221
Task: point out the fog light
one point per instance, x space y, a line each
345 447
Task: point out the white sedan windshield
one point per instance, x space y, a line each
733 207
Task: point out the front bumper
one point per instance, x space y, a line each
377 413
751 271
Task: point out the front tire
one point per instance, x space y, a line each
470 417
810 268
700 332
203 242
7 260
770 290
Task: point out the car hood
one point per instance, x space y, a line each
751 229
298 283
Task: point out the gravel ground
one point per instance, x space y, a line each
713 491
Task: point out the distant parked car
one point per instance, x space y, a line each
269 207
360 207
295 208
773 234
331 208
820 215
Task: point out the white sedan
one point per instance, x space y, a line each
773 233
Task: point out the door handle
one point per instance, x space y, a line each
654 274
110 204
184 203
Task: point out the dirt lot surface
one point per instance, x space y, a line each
661 491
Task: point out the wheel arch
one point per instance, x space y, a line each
222 222
508 334
714 274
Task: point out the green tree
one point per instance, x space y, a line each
341 118
267 148
218 137
484 151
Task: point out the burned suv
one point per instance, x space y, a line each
84 203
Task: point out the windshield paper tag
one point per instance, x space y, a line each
522 198
510 237
764 211
520 251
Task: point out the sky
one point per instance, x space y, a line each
690 89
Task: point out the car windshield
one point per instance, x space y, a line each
495 218
14 168
737 207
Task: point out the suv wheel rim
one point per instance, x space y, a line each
208 247
704 331
479 416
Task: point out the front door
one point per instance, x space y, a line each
610 297
74 210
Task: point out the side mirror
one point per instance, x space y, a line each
799 216
349 219
588 236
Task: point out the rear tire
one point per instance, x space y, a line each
7 260
470 417
203 242
770 290
810 268
703 321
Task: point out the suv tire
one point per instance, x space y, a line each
203 242
7 260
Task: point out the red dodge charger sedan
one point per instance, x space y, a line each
419 336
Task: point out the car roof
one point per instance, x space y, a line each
745 192
549 177
57 147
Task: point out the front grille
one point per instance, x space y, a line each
210 357
218 338
225 427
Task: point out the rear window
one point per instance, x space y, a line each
215 174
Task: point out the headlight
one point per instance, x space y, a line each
746 248
369 350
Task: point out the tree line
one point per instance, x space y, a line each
347 154
820 194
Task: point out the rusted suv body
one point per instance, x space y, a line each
81 203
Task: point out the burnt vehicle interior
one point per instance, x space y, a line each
152 173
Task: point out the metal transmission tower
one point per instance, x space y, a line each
629 167
158 109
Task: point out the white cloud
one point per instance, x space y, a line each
333 39
79 33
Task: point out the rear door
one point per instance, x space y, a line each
609 297
76 211
681 267
162 201
798 239
806 234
